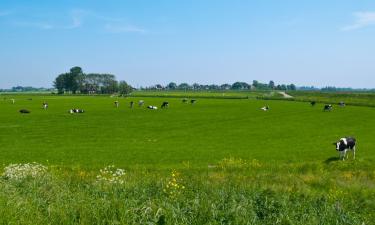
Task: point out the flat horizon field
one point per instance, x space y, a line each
200 134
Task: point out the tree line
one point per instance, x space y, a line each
75 81
256 85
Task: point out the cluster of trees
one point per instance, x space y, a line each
75 81
256 85
26 89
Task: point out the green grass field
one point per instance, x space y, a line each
200 134
236 163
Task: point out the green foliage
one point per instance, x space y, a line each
211 196
124 88
93 83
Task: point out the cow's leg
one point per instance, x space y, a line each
347 155
354 152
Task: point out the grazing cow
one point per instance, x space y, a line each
141 103
76 111
193 101
184 100
45 105
327 108
165 105
116 104
313 103
152 107
344 145
342 104
265 108
131 104
24 111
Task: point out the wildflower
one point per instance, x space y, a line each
22 171
111 175
174 185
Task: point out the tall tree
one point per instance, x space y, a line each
124 88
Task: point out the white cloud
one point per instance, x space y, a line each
115 28
77 19
38 25
363 19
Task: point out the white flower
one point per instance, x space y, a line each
111 175
22 171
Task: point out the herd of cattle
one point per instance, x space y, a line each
116 103
344 145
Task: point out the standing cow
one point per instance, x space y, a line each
131 104
116 104
164 105
45 105
313 103
345 144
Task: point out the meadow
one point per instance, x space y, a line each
219 161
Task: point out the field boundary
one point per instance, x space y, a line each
317 101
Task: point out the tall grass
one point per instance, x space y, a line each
234 191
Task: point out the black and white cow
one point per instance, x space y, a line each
265 108
184 100
76 111
45 105
345 144
131 104
313 103
117 104
141 103
327 108
24 111
165 105
193 101
152 107
342 104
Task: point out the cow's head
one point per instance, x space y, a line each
340 145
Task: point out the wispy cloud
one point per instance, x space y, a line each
119 28
363 19
37 25
5 13
77 19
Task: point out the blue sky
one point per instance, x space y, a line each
147 42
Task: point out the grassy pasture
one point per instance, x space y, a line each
233 163
352 98
200 134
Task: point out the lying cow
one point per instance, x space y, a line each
165 105
265 108
344 145
76 111
24 111
342 104
152 107
313 103
184 100
193 101
327 108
